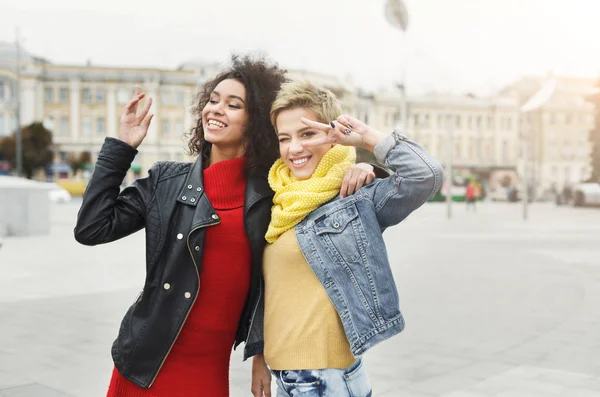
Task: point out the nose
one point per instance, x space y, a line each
216 108
296 147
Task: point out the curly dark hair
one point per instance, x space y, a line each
262 81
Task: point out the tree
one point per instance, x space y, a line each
37 148
79 162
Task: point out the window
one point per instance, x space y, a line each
178 156
64 126
1 91
86 126
508 123
123 96
505 152
490 122
178 128
458 121
2 132
178 98
479 122
48 94
63 95
86 95
100 95
166 128
100 126
568 119
63 156
165 156
165 98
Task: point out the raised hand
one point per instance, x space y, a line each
134 127
346 130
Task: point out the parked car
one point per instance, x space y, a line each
57 194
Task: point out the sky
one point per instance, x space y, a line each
450 46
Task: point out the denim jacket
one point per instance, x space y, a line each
342 242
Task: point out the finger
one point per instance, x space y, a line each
145 124
370 177
256 391
133 102
345 183
316 124
348 120
146 109
360 182
267 389
319 141
352 185
139 94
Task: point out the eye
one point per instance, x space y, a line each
234 106
213 101
281 140
308 134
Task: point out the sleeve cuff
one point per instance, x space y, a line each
383 148
117 152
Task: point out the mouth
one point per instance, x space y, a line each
300 162
213 124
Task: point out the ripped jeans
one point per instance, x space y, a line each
330 382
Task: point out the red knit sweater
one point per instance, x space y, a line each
198 364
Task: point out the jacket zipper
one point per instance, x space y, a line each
193 303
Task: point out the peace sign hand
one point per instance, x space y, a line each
346 130
134 127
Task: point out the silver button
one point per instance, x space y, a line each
336 225
197 248
215 216
187 295
190 187
193 200
179 236
167 286
199 189
184 198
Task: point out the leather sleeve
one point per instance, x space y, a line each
107 214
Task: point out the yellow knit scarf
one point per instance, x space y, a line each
295 199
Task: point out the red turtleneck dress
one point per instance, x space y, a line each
198 364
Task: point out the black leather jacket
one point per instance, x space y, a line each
170 204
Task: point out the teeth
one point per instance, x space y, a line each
300 161
216 123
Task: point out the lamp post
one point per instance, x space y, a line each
17 94
535 102
397 16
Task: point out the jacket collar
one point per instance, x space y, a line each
192 192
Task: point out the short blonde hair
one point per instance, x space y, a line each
306 95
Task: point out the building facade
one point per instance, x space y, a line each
82 105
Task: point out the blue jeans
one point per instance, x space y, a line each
330 382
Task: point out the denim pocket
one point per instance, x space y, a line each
357 381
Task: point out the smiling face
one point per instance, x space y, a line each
291 133
225 117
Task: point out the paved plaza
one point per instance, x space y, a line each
494 306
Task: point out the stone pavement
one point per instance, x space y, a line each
494 307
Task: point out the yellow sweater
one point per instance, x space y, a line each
302 328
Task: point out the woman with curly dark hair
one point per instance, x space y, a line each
205 224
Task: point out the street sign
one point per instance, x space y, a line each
396 14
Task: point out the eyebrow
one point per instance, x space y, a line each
230 96
299 131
